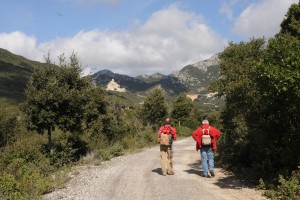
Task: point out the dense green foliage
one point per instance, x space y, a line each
182 108
8 123
56 97
155 108
261 118
291 24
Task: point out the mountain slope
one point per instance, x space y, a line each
198 76
192 79
170 84
15 71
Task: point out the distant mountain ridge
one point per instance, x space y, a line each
193 78
141 83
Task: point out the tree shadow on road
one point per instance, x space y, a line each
195 168
231 181
223 178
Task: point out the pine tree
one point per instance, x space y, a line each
182 108
155 108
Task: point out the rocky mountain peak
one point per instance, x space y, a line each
197 76
204 64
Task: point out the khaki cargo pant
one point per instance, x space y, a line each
166 153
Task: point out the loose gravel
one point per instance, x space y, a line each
138 177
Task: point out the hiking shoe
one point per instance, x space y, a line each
203 175
171 173
212 173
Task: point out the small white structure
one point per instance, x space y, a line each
192 96
114 86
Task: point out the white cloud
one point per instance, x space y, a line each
262 19
228 7
167 41
227 11
21 44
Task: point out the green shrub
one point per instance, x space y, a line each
9 187
130 143
149 137
24 150
183 131
117 149
25 172
8 123
32 181
103 154
287 189
67 148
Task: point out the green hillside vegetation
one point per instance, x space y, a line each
14 74
151 78
204 77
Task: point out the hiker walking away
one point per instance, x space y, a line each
166 135
206 137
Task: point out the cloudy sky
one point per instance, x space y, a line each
134 37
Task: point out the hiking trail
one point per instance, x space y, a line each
138 177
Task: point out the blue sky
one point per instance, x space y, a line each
135 36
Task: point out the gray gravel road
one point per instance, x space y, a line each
137 177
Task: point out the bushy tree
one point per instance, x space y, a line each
155 108
55 97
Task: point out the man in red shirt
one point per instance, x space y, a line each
166 150
206 137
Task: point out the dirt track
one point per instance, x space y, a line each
138 177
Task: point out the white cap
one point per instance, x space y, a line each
205 121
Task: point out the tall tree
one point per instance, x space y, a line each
279 110
155 107
238 70
182 108
261 118
55 97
